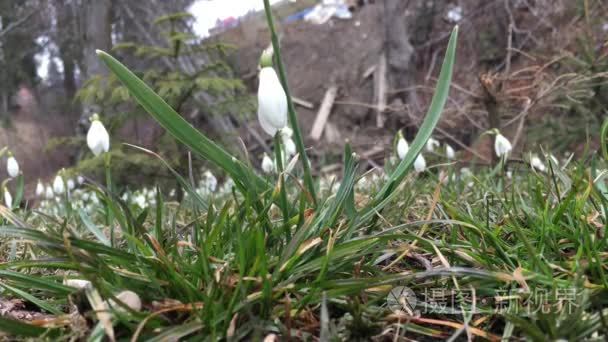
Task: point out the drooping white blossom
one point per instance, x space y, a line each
12 166
449 152
98 138
49 194
8 199
538 164
80 180
420 164
210 182
267 164
272 100
502 146
71 184
432 144
58 185
290 147
39 189
402 146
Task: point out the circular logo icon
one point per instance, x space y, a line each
402 298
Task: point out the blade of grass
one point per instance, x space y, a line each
182 130
426 129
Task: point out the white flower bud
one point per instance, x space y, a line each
8 199
272 102
71 184
502 146
98 138
290 147
12 167
129 298
402 146
449 152
537 164
267 164
210 181
39 189
49 194
80 179
420 164
58 185
432 144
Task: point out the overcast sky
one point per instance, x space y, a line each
208 11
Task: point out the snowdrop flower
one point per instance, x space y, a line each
98 139
39 189
420 163
286 132
71 184
272 101
432 144
267 164
536 163
49 194
210 181
290 147
8 199
12 167
140 200
502 146
80 180
402 146
58 185
449 152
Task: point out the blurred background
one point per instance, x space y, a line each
535 69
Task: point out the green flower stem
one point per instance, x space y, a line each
278 152
293 120
109 214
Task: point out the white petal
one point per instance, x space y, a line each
502 146
449 152
431 144
402 148
267 164
12 167
420 163
39 189
58 186
98 138
8 199
290 147
49 193
272 101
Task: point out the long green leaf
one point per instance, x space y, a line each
183 131
38 302
17 328
93 228
426 129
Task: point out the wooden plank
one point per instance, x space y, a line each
323 114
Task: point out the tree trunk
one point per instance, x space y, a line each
97 34
398 48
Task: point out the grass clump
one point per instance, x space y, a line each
489 254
